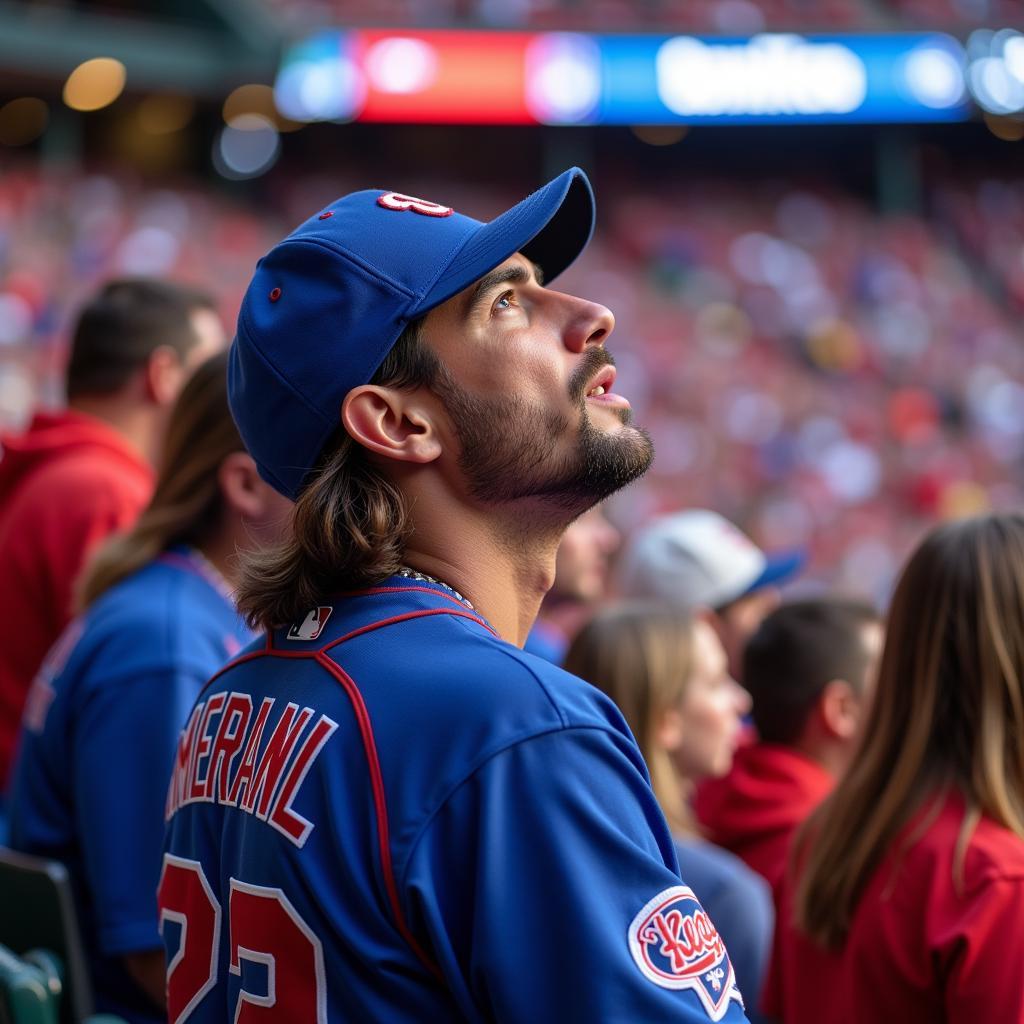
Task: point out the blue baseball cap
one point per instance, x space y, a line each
327 304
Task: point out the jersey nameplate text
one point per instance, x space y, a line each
253 759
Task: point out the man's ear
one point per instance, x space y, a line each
240 484
164 375
391 422
839 707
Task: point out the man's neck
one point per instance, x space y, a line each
133 423
832 757
501 569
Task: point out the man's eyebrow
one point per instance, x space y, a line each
515 274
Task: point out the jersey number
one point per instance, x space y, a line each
264 929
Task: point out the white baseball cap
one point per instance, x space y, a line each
697 558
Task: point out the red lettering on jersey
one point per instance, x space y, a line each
266 929
279 748
182 759
296 827
243 777
398 201
230 736
685 938
261 783
202 748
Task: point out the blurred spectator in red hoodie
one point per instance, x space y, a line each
581 581
698 560
78 475
809 670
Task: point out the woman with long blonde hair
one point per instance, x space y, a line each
908 893
668 673
103 716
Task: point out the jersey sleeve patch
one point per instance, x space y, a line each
676 946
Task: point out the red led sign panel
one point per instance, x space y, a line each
443 76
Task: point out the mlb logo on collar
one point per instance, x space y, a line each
676 946
312 625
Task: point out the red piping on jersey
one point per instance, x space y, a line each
380 803
276 652
402 618
240 660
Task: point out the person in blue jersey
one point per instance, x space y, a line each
101 724
667 671
384 810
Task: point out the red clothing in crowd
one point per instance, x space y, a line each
65 484
755 809
922 949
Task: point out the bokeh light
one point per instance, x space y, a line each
23 120
163 114
95 84
1009 129
401 65
660 135
563 78
247 147
935 76
256 98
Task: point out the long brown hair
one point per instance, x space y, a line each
350 523
948 715
641 655
186 504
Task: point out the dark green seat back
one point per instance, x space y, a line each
37 911
30 990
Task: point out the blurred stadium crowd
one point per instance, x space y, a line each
828 364
822 374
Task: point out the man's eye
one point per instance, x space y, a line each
505 301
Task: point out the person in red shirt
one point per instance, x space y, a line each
78 475
906 902
809 670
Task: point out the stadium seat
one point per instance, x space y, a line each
43 974
30 990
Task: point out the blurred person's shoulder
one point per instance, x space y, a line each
993 852
163 618
927 857
67 464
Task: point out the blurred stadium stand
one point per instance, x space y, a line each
820 326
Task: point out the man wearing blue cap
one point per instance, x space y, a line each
384 810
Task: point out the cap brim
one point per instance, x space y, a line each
780 567
551 227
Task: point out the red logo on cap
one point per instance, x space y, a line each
397 201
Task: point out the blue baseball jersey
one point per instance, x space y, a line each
386 813
99 737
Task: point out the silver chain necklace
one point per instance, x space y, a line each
422 577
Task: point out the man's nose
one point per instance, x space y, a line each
589 324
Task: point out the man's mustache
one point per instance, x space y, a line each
593 360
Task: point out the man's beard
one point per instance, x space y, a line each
509 446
